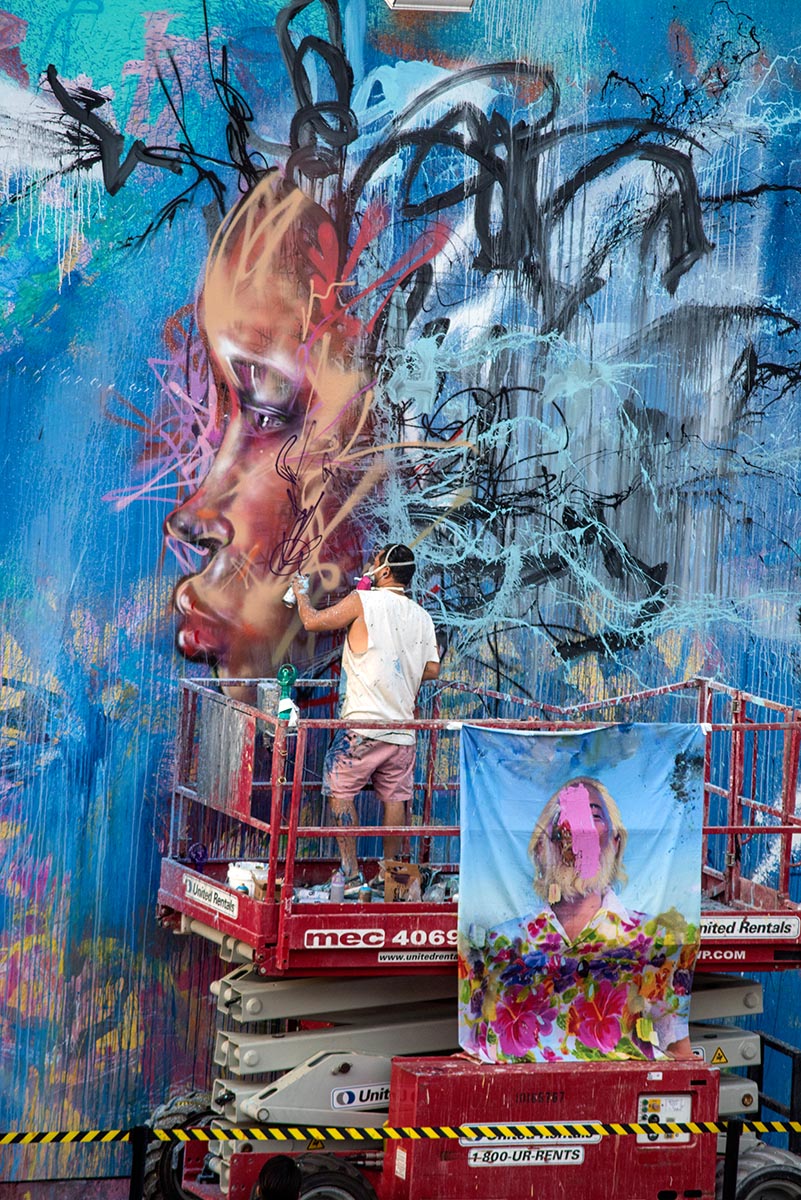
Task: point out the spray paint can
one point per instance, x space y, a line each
336 892
289 598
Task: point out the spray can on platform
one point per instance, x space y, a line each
336 892
285 678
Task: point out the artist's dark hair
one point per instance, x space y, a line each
400 560
279 1179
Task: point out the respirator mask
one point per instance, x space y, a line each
367 579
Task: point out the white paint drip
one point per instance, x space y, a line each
39 175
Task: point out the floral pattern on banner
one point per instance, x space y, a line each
621 989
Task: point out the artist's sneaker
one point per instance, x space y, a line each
377 882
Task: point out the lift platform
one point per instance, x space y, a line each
248 787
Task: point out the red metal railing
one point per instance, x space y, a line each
231 756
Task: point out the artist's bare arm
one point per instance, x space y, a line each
338 616
430 671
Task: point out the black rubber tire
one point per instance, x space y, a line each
164 1160
326 1177
771 1183
764 1172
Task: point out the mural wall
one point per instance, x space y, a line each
282 283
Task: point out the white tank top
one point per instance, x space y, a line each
382 683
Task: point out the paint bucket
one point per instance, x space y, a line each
240 876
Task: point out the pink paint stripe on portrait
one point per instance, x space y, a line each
575 811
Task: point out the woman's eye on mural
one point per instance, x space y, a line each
265 420
267 398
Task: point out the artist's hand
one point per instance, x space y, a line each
300 585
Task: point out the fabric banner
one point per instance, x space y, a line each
580 891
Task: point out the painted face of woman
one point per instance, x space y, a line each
280 493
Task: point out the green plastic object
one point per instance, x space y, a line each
286 676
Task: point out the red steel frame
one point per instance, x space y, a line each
349 938
750 925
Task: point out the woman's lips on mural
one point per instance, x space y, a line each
200 634
197 642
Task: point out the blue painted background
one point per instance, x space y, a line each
653 433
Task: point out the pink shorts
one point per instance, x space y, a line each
353 760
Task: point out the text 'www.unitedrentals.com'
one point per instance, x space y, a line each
417 956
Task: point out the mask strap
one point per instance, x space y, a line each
386 562
406 562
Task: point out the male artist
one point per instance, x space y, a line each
390 649
583 977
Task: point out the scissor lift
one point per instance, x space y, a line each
380 977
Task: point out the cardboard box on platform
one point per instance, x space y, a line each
399 879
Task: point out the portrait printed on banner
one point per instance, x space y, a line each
580 893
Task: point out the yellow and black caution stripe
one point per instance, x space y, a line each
473 1132
75 1136
386 1133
